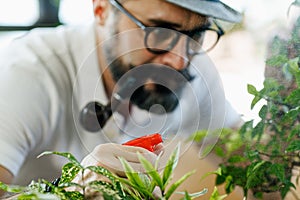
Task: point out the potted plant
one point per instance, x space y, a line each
136 186
261 157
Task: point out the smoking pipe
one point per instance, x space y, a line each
95 115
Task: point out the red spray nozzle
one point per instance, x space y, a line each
148 141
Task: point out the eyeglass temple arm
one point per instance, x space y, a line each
220 29
123 10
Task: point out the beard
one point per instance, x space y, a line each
161 95
155 84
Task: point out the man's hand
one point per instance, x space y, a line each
5 177
107 156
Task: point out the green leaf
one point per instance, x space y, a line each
38 196
234 143
297 77
114 179
69 156
175 185
217 172
186 196
251 89
252 154
236 159
219 151
293 146
151 170
291 116
132 191
206 148
258 130
294 132
246 127
11 188
102 171
198 136
220 180
29 196
278 47
293 65
216 195
255 173
277 60
132 175
294 97
255 100
74 195
270 84
229 184
170 166
278 170
198 194
287 188
158 159
263 112
69 184
193 195
147 181
69 171
105 188
135 179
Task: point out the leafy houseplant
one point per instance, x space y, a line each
260 157
135 187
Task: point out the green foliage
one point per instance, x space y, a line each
261 155
146 183
135 187
216 196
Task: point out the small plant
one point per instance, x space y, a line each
135 187
260 157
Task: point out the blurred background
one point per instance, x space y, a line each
239 56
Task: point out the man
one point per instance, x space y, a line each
48 76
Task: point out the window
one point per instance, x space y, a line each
25 15
18 13
76 11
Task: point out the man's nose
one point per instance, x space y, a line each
176 57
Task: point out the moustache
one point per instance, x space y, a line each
162 75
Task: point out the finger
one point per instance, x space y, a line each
159 149
157 193
129 153
107 155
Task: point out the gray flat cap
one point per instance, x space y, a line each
211 8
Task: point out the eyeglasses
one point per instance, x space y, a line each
158 40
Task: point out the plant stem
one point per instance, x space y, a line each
83 189
278 156
276 101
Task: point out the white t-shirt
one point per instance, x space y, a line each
48 75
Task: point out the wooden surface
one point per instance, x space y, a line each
190 161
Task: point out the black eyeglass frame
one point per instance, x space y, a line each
220 32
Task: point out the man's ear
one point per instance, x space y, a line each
101 9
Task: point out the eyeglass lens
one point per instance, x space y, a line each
158 40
